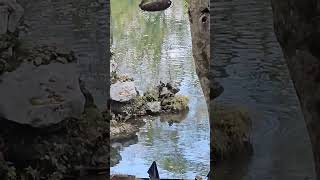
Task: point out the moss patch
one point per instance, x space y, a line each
175 104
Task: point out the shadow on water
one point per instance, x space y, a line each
250 66
157 46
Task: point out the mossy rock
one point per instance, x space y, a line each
231 133
177 103
151 95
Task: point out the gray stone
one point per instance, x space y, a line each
123 91
153 107
62 60
37 61
41 96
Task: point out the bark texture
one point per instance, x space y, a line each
199 16
296 26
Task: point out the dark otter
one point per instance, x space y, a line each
154 5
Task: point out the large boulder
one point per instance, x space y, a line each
41 96
123 91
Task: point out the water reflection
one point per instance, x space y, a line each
153 47
250 66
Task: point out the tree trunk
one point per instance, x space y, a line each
199 17
296 26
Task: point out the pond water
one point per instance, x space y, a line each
157 46
249 64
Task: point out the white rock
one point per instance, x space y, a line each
153 107
123 91
41 96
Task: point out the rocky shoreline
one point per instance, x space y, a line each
129 109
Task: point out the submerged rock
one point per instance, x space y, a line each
122 131
174 117
154 5
231 133
41 96
216 89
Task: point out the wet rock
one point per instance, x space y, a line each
123 91
44 55
172 88
153 107
37 61
122 131
121 108
216 89
154 5
43 96
62 60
